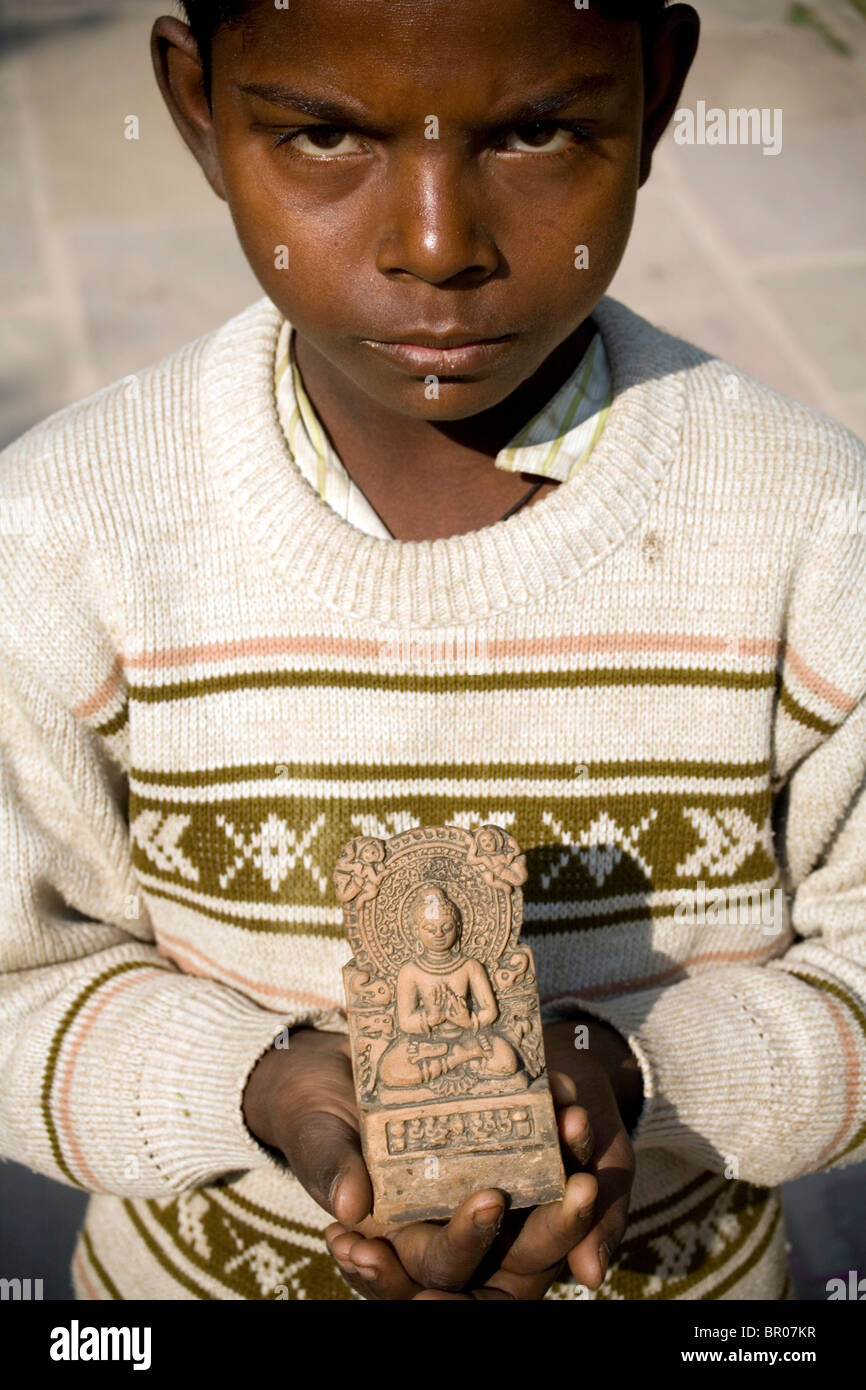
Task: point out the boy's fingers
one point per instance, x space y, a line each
482 1295
422 1255
370 1266
446 1257
325 1155
351 1192
540 1249
590 1259
551 1231
562 1088
576 1133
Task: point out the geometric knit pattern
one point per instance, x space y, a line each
654 678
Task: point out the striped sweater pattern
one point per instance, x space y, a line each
654 678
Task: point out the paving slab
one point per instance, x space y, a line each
150 286
33 375
667 276
827 307
20 268
84 84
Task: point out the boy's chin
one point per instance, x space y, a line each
457 400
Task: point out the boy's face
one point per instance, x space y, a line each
431 201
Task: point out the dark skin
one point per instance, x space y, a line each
390 231
475 231
301 1102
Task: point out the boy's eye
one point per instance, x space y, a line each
538 136
325 141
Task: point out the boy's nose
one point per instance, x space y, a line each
433 229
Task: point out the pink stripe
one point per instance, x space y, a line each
587 644
647 981
103 695
84 1278
852 1077
210 969
64 1116
160 659
689 643
823 688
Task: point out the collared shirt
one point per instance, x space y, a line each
553 444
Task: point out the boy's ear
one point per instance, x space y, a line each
180 76
669 54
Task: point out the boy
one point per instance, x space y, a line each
288 587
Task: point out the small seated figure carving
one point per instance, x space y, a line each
445 1004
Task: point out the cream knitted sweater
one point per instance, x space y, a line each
654 678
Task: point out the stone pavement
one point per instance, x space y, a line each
114 251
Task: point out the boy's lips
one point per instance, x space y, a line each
439 356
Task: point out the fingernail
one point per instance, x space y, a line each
334 1189
488 1216
603 1259
346 1265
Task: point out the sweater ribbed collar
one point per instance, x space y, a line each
458 579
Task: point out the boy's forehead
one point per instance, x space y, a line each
462 53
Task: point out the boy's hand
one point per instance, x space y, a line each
582 1230
301 1101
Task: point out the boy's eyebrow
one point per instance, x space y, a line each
336 112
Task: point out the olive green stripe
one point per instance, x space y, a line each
327 930
114 724
331 931
99 1268
742 1270
377 772
743 1198
159 1254
798 712
636 1214
830 987
244 1203
664 1204
417 683
854 1143
323 1273
54 1051
217 836
639 1259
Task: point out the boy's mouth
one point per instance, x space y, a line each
439 356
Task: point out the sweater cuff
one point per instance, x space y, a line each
743 1069
691 1084
192 1083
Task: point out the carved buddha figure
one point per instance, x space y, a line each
445 1003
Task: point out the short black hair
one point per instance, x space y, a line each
204 17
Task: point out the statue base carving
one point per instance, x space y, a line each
424 1160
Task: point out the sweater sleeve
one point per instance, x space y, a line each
759 1070
119 1073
